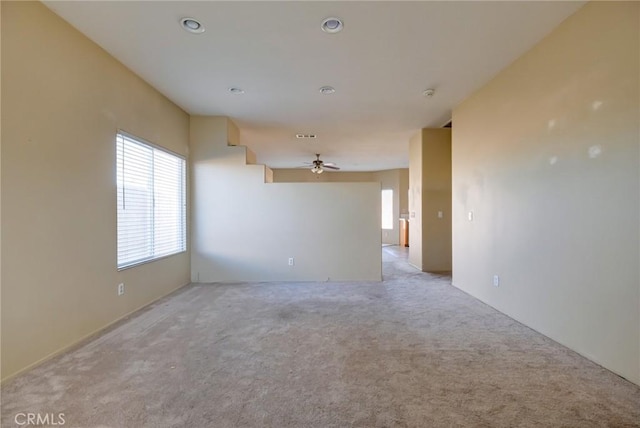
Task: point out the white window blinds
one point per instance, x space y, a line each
151 202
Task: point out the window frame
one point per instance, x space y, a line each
184 185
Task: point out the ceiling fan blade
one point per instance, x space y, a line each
330 166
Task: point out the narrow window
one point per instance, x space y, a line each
387 209
151 202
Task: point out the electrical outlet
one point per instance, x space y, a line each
291 261
496 281
120 289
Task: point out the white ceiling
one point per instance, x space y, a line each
386 56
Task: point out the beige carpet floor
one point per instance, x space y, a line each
411 351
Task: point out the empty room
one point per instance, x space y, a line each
320 214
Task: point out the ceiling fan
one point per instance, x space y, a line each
318 165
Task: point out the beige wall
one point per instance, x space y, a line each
415 200
403 190
63 99
394 179
1 371
245 229
436 199
430 200
303 175
546 156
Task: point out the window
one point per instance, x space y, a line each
387 209
151 202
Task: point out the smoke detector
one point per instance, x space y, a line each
327 90
429 92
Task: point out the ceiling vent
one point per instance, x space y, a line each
305 136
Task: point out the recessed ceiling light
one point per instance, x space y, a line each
326 90
332 25
235 90
192 25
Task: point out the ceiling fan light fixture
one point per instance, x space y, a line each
318 166
332 25
192 25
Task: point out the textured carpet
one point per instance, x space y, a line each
411 351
